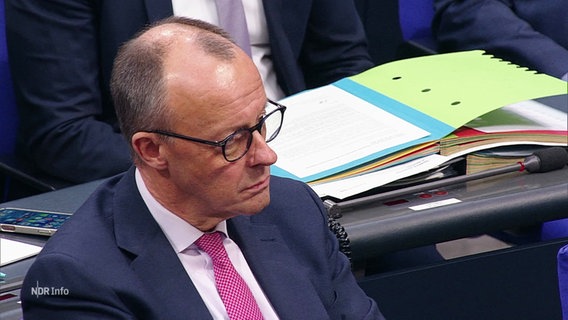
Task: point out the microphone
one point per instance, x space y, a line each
540 161
546 160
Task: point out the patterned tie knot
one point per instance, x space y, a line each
212 244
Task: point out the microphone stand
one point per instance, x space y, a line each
555 158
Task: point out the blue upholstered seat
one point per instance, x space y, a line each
563 280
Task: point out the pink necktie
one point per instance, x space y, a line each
232 19
236 295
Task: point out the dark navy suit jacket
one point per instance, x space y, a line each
62 51
530 33
114 262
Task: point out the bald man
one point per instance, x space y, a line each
193 107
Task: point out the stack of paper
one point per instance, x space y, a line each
386 123
523 123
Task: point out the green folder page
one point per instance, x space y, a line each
456 88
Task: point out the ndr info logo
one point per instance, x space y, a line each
48 291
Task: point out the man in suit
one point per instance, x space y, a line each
61 54
530 33
133 251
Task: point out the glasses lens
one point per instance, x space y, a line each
237 145
272 125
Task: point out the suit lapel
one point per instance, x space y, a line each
153 258
284 281
159 267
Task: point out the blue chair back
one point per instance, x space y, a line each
415 18
554 229
8 112
563 280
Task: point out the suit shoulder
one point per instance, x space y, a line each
280 183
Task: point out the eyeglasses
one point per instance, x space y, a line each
237 144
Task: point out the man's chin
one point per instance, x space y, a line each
257 203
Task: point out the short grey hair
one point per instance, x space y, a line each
138 86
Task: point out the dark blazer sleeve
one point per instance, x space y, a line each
67 123
315 42
335 44
528 33
350 300
302 270
69 290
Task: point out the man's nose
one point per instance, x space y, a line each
261 153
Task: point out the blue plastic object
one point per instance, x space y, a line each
8 112
415 18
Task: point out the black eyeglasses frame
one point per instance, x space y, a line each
222 143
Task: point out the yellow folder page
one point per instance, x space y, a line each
458 87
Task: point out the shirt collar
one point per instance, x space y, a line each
179 232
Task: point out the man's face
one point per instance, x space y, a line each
211 99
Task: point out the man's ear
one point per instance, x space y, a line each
149 148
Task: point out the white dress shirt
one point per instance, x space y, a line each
206 10
198 264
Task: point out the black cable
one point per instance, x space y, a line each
341 234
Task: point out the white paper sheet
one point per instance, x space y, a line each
329 128
533 116
347 187
12 251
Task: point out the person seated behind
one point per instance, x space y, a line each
61 54
532 33
193 106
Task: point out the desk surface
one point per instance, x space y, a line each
477 207
520 282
